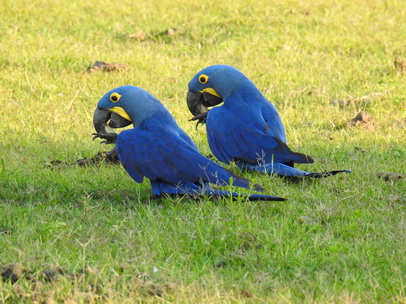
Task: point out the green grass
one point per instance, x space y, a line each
114 244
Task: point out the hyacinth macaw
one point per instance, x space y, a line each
158 149
246 128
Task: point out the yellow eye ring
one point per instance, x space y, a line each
114 97
203 79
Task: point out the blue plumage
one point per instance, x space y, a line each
158 149
246 128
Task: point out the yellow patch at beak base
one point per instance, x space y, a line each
120 111
211 91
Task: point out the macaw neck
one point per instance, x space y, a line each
149 108
163 119
244 91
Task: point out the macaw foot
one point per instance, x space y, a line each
201 118
110 138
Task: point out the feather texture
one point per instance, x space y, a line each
246 128
158 149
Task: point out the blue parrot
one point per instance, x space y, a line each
158 149
246 128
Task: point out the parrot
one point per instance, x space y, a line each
242 125
158 149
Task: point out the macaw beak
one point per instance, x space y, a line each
199 102
103 118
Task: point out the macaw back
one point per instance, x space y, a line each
166 153
247 127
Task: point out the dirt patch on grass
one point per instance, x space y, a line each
87 284
391 176
103 66
110 158
13 272
362 120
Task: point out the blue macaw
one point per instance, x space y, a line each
246 128
157 148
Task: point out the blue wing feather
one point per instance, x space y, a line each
247 128
273 121
242 139
161 153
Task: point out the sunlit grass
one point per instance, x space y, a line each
337 240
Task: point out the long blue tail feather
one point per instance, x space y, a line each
159 188
284 170
251 197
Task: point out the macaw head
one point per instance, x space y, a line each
211 86
123 106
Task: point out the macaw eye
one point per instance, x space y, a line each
203 79
114 97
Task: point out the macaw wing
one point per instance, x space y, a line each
273 121
235 140
165 155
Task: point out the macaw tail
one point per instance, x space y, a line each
160 187
325 174
251 197
284 170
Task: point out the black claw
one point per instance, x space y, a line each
110 138
201 119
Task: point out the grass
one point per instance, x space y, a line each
337 240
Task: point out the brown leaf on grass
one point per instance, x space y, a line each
390 176
102 66
364 120
400 65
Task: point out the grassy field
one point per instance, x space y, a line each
74 234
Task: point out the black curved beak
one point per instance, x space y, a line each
103 118
117 121
199 102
